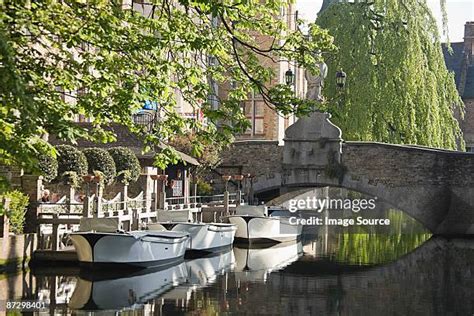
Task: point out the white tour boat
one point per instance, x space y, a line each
255 226
99 243
204 238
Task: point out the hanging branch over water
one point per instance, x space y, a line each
398 87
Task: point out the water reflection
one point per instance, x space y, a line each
329 272
118 292
200 273
254 264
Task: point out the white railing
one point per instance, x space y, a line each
56 220
199 201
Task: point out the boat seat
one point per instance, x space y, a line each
174 216
155 227
103 225
252 210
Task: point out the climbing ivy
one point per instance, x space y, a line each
398 89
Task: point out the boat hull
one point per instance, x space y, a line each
133 249
264 230
205 238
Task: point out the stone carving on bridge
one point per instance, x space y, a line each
312 143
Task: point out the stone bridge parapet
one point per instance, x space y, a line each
434 186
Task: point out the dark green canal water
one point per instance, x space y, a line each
331 271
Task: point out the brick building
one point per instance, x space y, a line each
266 123
461 62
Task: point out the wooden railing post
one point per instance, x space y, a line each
162 200
148 186
54 235
71 199
226 202
124 197
238 197
98 201
86 206
135 220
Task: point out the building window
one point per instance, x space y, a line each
254 111
470 149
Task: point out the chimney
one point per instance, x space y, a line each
469 38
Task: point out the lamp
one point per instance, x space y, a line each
289 77
341 79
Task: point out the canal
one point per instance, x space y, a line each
330 271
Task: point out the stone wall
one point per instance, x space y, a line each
261 159
387 164
256 157
16 250
398 165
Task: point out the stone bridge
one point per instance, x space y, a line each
434 186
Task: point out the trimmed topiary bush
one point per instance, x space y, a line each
48 166
16 210
99 159
70 159
127 164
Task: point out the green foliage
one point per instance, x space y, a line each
71 178
99 177
100 160
166 156
16 210
203 187
193 145
118 58
125 176
71 159
398 88
126 163
382 248
48 166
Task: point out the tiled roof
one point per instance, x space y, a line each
454 60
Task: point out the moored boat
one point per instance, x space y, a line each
255 226
204 238
106 246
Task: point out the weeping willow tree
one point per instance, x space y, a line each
398 89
